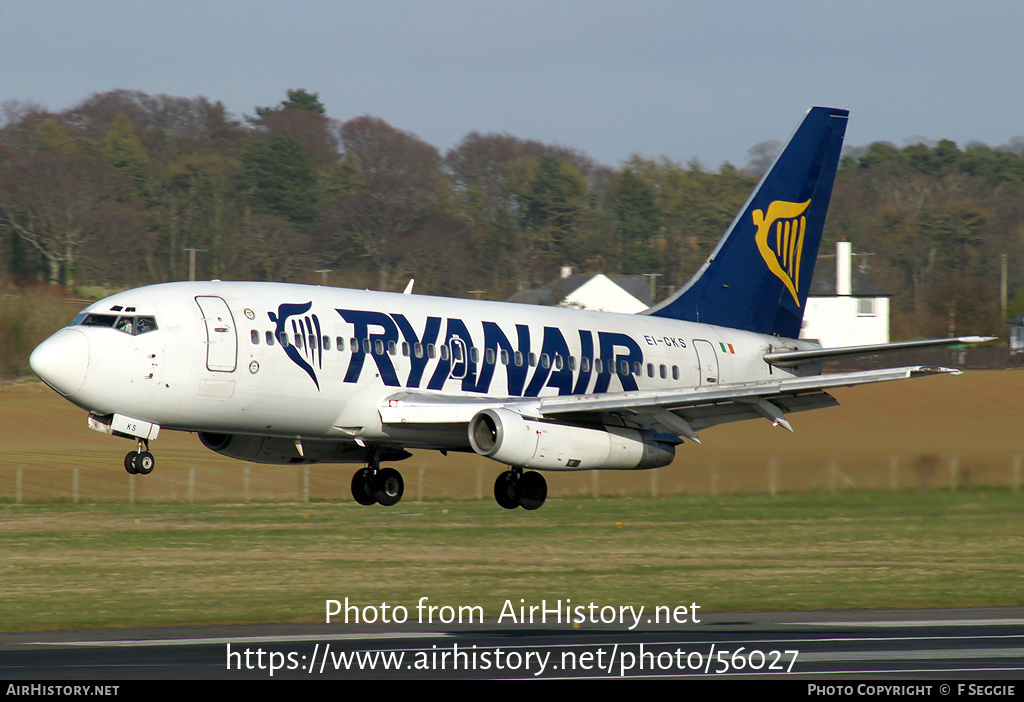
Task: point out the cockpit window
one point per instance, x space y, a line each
99 320
127 323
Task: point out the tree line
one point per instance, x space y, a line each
119 190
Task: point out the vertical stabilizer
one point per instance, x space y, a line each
758 277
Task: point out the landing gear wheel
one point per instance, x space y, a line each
388 486
129 462
362 483
532 490
506 490
144 462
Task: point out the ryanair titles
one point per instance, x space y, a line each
442 349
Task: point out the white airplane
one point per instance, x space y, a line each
283 374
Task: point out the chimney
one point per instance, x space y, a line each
566 270
844 267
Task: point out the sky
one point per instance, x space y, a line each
681 79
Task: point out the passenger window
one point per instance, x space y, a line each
341 343
584 365
269 336
327 343
254 336
675 372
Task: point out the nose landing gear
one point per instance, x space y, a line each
140 461
376 485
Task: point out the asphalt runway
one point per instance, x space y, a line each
941 644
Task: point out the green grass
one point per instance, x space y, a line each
69 566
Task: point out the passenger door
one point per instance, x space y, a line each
221 338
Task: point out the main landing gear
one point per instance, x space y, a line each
376 485
140 461
514 488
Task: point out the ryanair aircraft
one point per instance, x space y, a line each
277 373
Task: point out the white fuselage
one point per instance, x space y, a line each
294 361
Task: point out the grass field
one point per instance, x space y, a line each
905 496
68 566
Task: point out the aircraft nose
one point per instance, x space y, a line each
62 361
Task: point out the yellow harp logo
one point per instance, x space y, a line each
789 225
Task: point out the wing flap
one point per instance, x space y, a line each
702 416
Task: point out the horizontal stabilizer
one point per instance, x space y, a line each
785 359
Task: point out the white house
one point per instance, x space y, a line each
846 308
628 294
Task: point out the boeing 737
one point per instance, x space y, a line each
284 374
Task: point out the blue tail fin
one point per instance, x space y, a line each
758 276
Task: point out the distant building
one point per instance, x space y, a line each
628 294
845 307
1016 334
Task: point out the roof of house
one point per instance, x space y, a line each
556 291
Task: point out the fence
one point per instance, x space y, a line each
32 483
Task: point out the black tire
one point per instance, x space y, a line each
361 487
532 490
129 462
145 463
505 490
388 486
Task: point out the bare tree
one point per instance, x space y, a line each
59 201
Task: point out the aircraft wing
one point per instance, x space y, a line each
681 412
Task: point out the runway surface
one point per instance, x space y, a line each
806 646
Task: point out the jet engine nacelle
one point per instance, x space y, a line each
270 449
509 437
